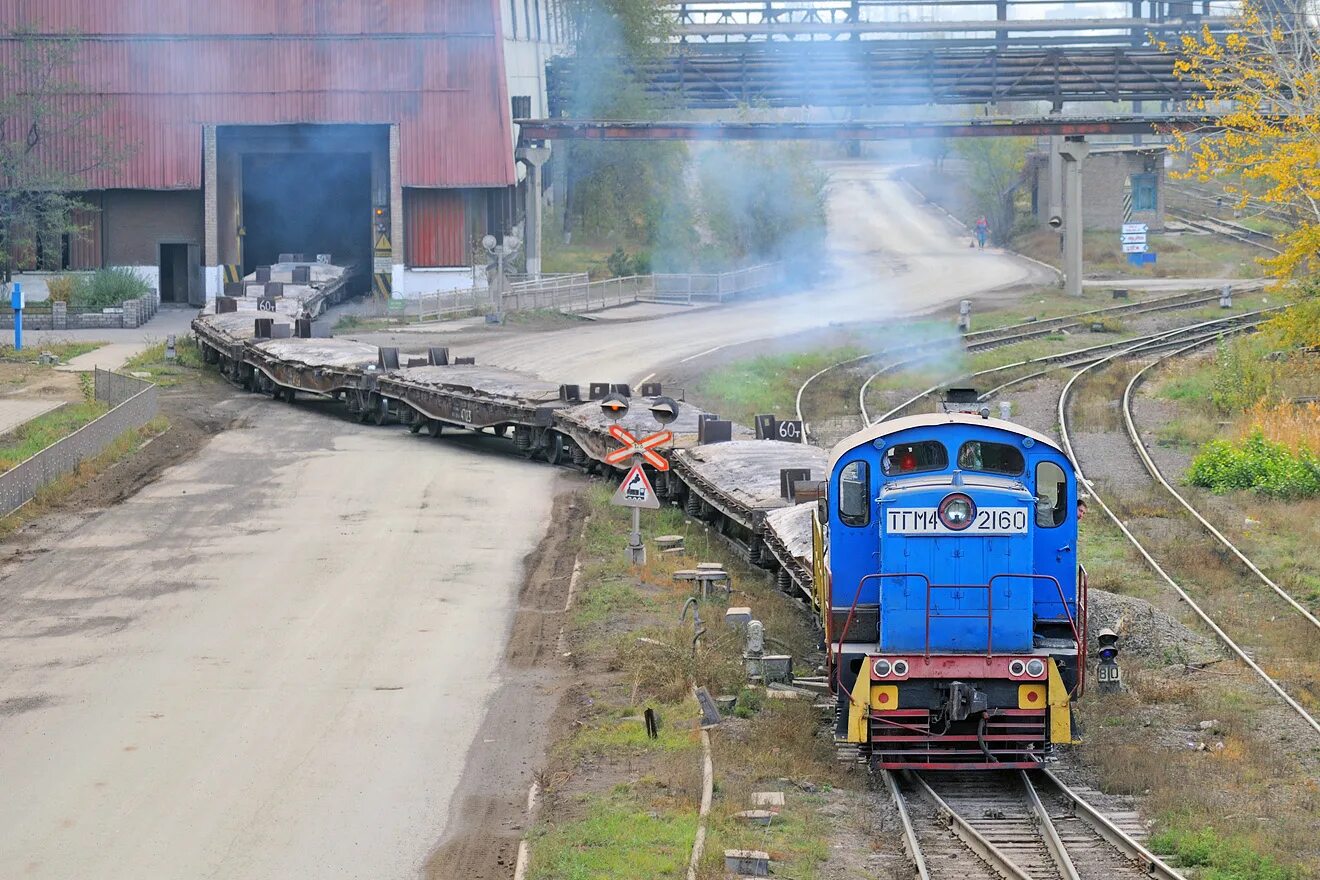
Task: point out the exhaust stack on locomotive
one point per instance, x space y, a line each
953 602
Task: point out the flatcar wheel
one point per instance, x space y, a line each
783 580
380 413
363 408
435 426
415 426
290 395
554 452
754 551
693 505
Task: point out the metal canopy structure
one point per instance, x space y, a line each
882 73
534 130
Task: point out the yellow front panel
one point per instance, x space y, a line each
884 696
1060 719
1031 696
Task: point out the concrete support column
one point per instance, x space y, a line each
535 158
211 213
59 316
397 231
1074 153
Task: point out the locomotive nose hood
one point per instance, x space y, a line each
969 535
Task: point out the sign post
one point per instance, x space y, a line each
1132 238
16 301
636 490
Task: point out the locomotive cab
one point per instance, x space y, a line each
951 598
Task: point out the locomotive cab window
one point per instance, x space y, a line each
992 458
1051 495
855 494
913 458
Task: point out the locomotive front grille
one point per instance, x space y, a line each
903 739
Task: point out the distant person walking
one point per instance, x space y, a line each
982 230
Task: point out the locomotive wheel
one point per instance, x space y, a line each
435 427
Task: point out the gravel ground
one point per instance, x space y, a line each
1147 632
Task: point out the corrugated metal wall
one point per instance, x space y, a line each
435 221
85 245
162 70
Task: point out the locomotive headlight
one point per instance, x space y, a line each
900 667
1035 668
881 668
957 512
1016 667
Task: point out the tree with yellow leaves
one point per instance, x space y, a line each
1262 82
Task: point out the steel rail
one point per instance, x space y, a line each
1048 833
1135 437
1151 561
972 838
1112 834
910 842
1214 226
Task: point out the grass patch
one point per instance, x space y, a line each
1178 255
619 837
54 492
65 351
765 384
187 365
45 430
1229 858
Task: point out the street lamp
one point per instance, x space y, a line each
501 252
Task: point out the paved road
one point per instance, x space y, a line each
889 256
272 661
267 664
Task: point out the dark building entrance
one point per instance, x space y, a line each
181 274
306 203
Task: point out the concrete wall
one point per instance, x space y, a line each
135 222
411 283
1103 178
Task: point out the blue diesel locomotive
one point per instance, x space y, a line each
954 607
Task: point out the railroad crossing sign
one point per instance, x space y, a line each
636 491
632 446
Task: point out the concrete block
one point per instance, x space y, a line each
59 315
777 667
767 798
738 616
757 817
781 695
747 862
669 542
710 566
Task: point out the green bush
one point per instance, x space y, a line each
1258 464
108 287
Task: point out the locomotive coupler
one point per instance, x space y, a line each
963 700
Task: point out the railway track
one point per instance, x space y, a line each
1041 366
1134 436
1017 825
1226 228
1244 654
984 340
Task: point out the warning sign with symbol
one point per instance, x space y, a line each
636 491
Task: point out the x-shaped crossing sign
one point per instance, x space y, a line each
632 446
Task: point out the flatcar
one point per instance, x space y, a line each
953 603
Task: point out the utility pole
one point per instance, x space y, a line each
1074 152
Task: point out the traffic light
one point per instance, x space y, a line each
1107 672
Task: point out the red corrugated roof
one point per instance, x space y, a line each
162 70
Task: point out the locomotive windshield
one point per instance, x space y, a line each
993 458
913 458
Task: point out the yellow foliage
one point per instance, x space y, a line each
1266 148
1296 426
60 287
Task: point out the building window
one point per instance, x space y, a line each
1145 197
513 17
527 19
536 8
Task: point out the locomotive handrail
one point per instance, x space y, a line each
1072 619
852 610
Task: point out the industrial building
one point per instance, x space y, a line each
380 133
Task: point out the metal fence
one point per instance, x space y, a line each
133 403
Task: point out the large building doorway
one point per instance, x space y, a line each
304 189
181 274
